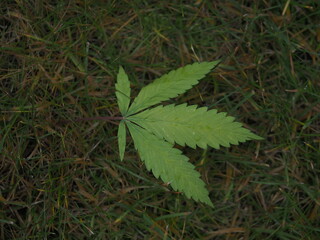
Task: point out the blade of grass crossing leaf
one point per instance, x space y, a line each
123 91
122 139
169 164
170 85
193 126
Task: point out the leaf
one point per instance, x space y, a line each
170 85
122 139
155 131
123 91
169 164
193 126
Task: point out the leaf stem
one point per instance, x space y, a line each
108 119
99 118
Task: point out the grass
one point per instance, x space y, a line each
62 179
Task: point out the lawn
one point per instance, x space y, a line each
62 178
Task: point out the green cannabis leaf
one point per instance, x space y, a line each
122 138
168 163
123 91
193 126
170 85
155 131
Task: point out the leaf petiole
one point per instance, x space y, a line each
108 118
